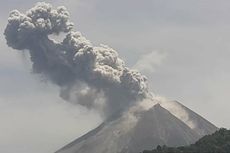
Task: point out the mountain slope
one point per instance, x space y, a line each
189 117
159 126
135 132
202 126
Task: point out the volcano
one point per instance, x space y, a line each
96 77
136 131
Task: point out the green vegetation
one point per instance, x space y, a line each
218 142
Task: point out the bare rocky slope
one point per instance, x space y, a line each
134 132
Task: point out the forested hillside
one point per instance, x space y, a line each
218 142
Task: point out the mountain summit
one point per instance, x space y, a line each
138 130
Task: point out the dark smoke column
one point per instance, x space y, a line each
86 74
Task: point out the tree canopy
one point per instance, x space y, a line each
218 142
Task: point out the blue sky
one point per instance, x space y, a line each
188 42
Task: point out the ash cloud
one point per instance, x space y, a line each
92 76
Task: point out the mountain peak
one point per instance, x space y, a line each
157 105
134 132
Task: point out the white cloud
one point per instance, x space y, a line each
150 61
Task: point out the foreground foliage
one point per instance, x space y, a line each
218 142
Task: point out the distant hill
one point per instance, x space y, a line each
218 142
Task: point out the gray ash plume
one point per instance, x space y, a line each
92 76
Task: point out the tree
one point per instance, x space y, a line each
218 142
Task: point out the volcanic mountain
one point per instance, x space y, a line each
135 130
85 73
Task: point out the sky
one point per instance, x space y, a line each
181 46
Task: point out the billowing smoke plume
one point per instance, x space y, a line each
94 77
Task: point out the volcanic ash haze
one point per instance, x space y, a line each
92 76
